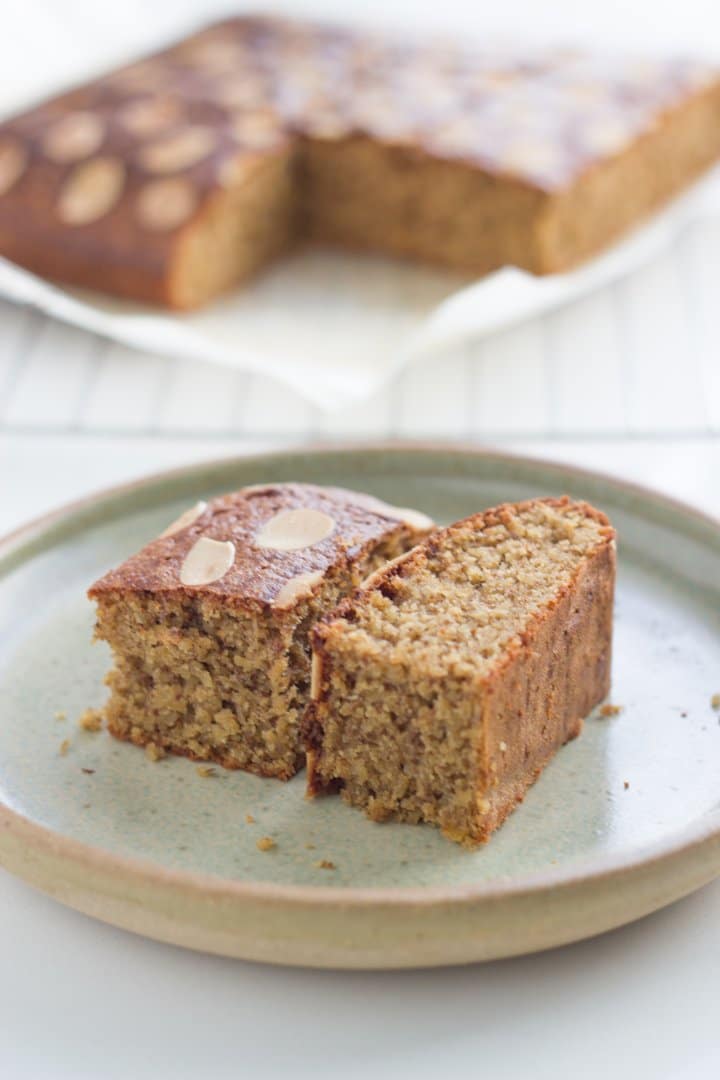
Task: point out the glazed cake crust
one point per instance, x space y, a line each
173 177
259 572
476 689
209 623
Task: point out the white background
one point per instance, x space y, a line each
628 381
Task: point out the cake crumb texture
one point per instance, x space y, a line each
153 752
91 720
445 685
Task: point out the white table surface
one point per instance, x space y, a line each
627 381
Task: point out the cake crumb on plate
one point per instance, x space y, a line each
265 843
153 752
91 720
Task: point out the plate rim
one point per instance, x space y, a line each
702 834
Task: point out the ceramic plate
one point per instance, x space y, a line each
625 819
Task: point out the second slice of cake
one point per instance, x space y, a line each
444 686
209 623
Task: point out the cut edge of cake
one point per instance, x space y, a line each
409 730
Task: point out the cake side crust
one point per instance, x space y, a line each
621 192
537 701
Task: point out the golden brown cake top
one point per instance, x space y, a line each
141 150
269 544
458 601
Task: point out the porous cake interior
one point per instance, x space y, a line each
201 676
246 226
354 193
413 725
363 194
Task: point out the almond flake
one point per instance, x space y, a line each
186 519
296 588
207 561
163 205
291 530
13 159
91 191
73 137
181 150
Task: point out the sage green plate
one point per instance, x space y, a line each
625 820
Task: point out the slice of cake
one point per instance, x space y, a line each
209 623
443 687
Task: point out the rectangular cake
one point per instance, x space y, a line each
443 687
173 178
209 623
